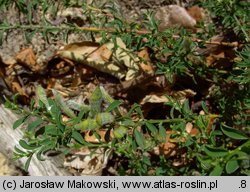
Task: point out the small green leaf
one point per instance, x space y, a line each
41 104
162 132
214 134
78 137
172 110
241 155
57 116
139 138
133 144
204 107
127 122
78 119
205 162
120 132
47 145
231 166
17 150
8 104
246 172
25 145
217 171
106 96
41 94
15 97
66 151
146 160
152 129
34 124
246 149
233 133
39 155
27 163
113 105
159 171
59 100
46 141
32 104
19 122
138 110
51 130
186 109
96 101
215 152
97 136
201 122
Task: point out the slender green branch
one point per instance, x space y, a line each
109 30
166 120
44 27
177 120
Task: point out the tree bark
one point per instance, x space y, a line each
52 166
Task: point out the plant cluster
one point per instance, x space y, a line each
221 145
129 135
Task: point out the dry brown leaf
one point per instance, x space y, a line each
212 58
85 72
210 124
89 53
118 63
154 99
9 76
27 58
189 127
76 80
61 68
182 160
123 57
105 53
17 88
2 70
167 149
170 147
105 135
145 63
51 83
81 49
182 95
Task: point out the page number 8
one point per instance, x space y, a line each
243 184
